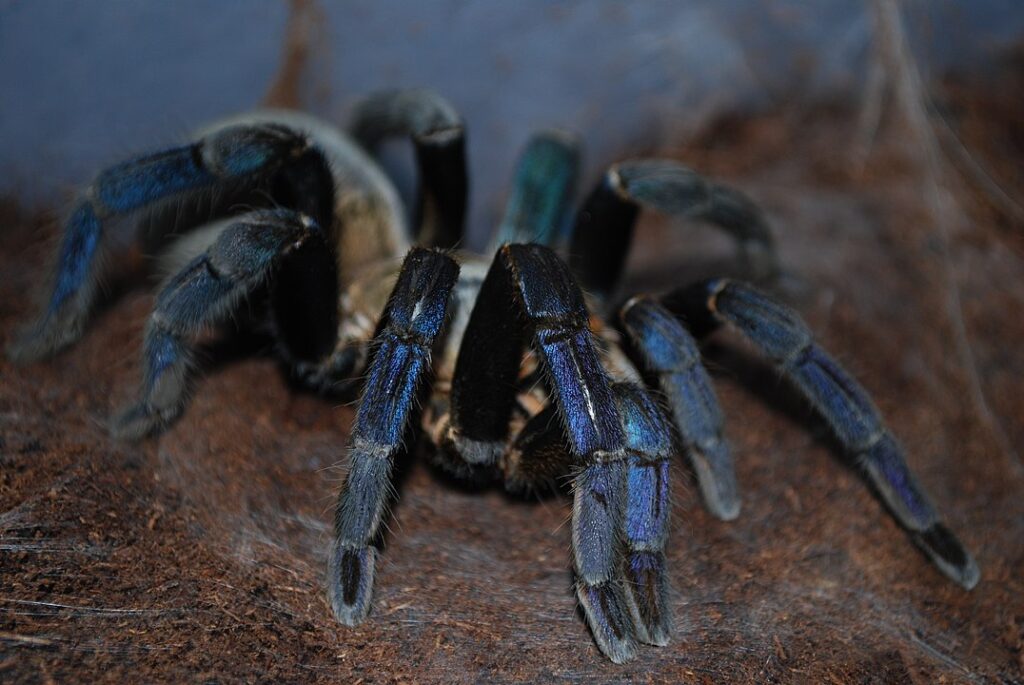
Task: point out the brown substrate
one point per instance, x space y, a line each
198 556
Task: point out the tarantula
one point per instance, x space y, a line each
606 398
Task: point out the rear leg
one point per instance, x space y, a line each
783 337
226 155
439 137
543 189
206 291
671 361
604 226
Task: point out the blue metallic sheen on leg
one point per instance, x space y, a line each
136 183
77 253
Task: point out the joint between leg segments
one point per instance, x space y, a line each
607 456
715 289
473 452
416 342
373 450
91 198
861 448
798 356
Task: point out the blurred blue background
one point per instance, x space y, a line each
86 83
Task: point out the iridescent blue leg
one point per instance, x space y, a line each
671 360
543 189
413 318
227 154
649 448
203 293
538 457
781 335
529 294
604 226
439 136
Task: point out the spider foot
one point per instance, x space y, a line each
647 596
350 582
46 337
716 478
607 612
141 420
948 554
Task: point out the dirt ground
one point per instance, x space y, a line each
198 556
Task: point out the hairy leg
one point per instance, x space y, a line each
671 361
543 189
645 530
604 225
439 136
227 154
413 318
538 457
206 291
783 337
529 295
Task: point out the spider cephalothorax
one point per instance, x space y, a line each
532 381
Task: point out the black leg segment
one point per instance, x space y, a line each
604 226
439 136
529 295
537 459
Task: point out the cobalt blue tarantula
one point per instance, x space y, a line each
537 375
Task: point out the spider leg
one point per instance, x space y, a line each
439 136
783 337
544 185
538 456
649 446
225 155
411 321
604 225
529 294
204 292
671 360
